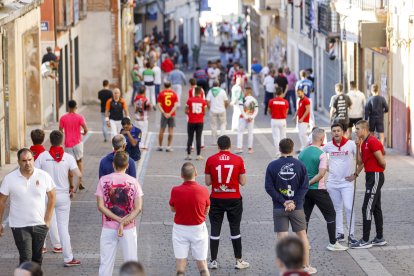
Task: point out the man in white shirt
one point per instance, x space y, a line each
59 164
213 73
29 217
265 71
341 152
270 88
356 112
217 102
157 78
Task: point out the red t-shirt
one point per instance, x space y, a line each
191 93
368 147
196 107
240 75
167 98
190 201
278 108
224 169
302 109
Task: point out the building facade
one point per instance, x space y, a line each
20 81
103 56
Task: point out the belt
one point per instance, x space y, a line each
149 83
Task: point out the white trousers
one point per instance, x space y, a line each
235 118
256 85
178 89
108 247
150 91
62 210
54 233
342 195
278 131
303 137
143 126
243 123
115 127
312 113
217 120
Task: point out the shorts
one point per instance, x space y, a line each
170 122
281 220
195 237
376 124
76 151
353 121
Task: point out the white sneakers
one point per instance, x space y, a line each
212 264
310 270
336 247
240 264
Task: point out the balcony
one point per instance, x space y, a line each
328 20
369 5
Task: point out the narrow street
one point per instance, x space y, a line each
159 171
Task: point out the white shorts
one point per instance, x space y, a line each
76 151
195 237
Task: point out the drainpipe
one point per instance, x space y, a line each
408 150
6 97
57 71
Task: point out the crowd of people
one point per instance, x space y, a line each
48 179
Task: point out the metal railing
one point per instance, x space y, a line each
369 5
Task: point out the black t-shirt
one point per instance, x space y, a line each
104 95
49 57
281 81
341 104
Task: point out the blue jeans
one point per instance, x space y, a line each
104 126
157 90
291 95
135 88
268 96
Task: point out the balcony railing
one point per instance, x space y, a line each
328 20
369 5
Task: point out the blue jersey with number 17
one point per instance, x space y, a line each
305 85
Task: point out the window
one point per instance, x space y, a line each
77 81
292 16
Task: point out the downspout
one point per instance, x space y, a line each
57 71
6 97
408 150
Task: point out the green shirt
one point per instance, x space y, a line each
134 76
314 158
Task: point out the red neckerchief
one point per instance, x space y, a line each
343 142
37 150
56 153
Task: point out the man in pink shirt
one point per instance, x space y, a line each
70 124
290 94
119 198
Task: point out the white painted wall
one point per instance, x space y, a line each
96 54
